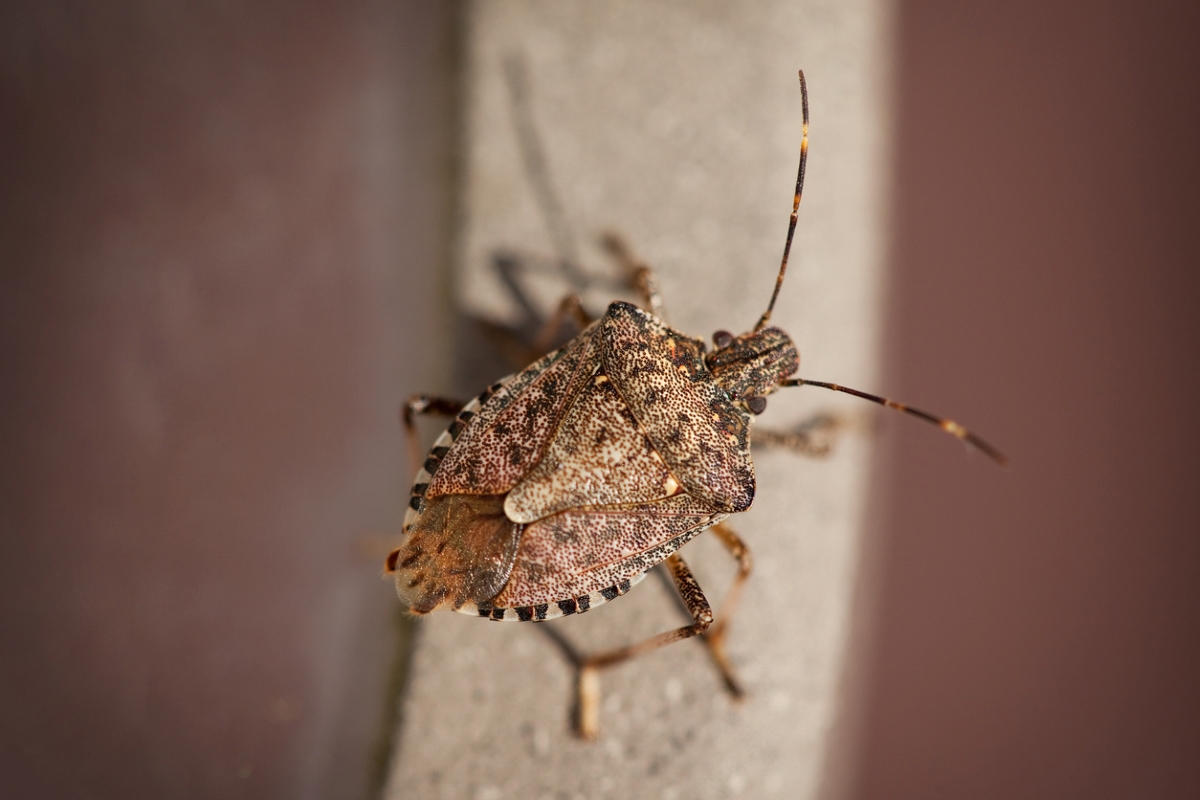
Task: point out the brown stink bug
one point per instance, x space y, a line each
560 487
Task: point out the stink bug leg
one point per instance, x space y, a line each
589 680
714 637
704 623
638 273
571 307
420 404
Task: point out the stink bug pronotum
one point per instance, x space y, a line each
558 488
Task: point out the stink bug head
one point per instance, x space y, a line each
752 365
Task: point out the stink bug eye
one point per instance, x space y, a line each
558 488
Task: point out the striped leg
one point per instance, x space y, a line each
589 666
424 404
715 636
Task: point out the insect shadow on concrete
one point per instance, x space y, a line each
617 440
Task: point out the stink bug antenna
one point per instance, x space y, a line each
948 425
787 247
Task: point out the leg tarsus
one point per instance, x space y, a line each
587 707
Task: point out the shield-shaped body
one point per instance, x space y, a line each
560 487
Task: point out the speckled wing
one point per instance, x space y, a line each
661 375
598 457
461 549
508 435
577 552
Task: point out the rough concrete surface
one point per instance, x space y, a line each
678 126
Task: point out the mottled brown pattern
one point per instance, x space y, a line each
693 596
598 457
460 549
582 551
579 474
702 435
510 432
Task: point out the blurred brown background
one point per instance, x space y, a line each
223 237
222 242
1039 629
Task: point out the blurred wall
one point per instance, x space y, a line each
1037 628
221 234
